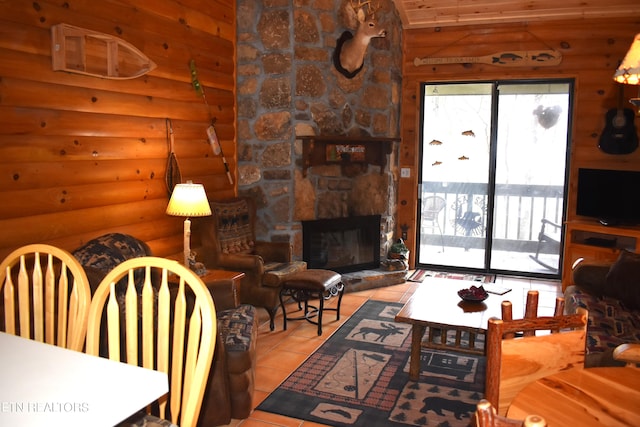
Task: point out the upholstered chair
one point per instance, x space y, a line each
101 255
228 242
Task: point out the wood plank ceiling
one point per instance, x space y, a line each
440 13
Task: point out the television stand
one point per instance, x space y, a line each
617 223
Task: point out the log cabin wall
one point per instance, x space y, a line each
591 49
81 156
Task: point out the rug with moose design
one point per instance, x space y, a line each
360 377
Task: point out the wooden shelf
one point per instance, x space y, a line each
337 149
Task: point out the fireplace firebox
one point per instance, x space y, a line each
343 245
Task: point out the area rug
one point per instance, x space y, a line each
419 275
360 377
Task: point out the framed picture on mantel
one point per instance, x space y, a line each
348 152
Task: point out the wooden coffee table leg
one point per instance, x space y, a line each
417 332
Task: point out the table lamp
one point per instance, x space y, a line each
188 200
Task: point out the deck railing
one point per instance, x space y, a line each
519 210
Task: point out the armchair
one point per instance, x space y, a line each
431 208
228 242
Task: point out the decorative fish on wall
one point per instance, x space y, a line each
516 58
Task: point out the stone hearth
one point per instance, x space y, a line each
371 279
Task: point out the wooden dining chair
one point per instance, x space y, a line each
164 319
512 363
530 310
487 416
45 296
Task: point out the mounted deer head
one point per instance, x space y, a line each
348 57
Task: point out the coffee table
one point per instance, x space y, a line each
436 304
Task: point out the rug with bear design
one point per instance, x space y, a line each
360 377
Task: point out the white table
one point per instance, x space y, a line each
45 385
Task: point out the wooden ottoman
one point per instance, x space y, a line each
308 285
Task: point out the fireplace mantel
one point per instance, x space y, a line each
321 150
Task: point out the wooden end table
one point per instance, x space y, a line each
224 287
436 305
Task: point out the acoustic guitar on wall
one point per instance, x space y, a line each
619 135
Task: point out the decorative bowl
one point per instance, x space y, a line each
473 294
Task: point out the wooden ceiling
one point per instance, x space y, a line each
440 13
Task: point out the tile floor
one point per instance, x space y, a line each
281 352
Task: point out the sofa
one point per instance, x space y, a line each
230 389
611 293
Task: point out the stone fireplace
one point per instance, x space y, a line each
345 181
288 91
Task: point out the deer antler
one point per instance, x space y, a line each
359 4
371 9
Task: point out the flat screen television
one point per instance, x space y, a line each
610 196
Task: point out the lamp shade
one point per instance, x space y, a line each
188 200
629 70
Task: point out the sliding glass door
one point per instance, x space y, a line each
455 174
493 172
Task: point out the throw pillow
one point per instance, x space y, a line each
623 280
